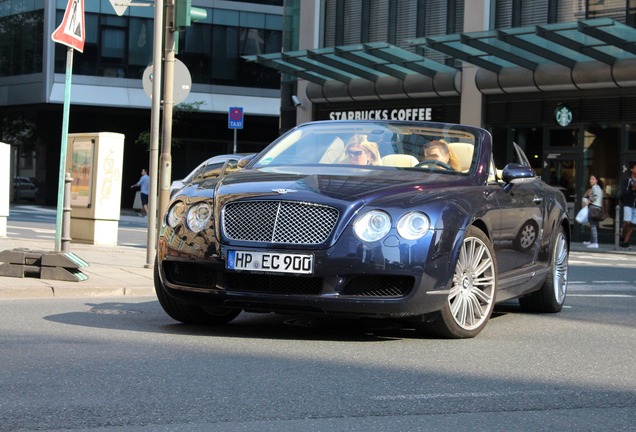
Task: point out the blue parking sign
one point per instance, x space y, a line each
235 118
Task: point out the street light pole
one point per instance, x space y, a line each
155 120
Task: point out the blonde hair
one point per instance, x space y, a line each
370 147
443 147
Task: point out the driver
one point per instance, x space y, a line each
438 150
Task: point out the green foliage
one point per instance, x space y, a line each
179 114
20 131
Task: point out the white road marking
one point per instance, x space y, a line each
464 395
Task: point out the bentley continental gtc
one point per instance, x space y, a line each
404 221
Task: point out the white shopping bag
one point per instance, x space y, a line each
581 216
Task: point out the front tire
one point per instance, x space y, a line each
551 296
471 297
190 314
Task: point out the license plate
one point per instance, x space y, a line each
270 262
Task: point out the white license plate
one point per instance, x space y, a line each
270 262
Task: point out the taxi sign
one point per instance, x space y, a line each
235 118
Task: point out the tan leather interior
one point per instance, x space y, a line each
464 154
399 160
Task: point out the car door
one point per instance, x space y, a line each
518 236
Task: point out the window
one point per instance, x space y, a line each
406 25
378 21
353 23
631 136
21 48
571 10
122 47
614 9
140 44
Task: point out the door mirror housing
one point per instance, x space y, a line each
515 173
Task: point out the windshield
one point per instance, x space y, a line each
421 146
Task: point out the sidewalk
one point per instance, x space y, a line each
112 271
603 248
121 271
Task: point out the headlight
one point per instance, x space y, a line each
175 214
372 225
413 225
199 217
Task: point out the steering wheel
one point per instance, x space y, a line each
434 162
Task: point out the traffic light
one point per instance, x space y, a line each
184 14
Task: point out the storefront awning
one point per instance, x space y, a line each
369 71
598 53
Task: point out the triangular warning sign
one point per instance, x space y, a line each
72 32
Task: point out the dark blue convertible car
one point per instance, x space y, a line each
372 219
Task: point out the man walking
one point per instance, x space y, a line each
143 185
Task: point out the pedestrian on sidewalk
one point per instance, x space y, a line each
596 203
628 200
143 185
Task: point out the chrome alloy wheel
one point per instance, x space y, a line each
560 269
473 291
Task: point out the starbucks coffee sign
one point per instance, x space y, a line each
413 114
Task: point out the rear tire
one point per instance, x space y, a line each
471 296
551 296
190 314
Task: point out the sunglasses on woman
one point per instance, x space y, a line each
355 153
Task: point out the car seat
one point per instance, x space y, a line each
463 153
399 160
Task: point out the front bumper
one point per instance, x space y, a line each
386 280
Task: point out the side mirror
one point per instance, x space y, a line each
516 173
242 163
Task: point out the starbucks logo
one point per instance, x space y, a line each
563 115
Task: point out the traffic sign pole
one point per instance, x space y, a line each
63 149
155 121
235 121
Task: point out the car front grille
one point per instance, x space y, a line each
286 222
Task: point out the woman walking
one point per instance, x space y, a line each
595 208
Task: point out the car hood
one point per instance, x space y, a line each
330 185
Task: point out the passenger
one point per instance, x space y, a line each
438 150
360 151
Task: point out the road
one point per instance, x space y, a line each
120 364
36 222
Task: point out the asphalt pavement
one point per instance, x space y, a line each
120 270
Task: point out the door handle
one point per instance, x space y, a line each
537 200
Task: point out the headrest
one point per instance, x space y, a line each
463 153
399 160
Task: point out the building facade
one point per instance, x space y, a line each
557 77
107 93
